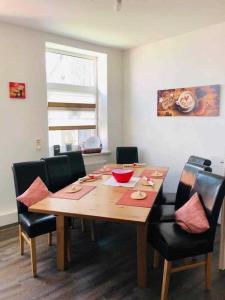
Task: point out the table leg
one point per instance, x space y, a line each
61 227
222 240
142 230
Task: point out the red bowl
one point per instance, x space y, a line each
122 175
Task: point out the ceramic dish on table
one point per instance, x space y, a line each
134 165
74 188
138 195
157 174
90 177
92 142
122 175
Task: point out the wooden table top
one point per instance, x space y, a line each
100 203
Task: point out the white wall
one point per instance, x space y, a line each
22 55
193 59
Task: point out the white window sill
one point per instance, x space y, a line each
104 152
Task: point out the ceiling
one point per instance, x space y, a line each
138 22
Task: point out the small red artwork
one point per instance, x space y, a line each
17 90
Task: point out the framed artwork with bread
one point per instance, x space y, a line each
191 101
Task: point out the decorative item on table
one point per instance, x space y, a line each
92 145
134 165
121 175
147 181
192 101
138 195
68 147
17 90
68 140
56 149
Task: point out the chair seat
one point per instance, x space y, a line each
174 243
35 224
167 213
169 198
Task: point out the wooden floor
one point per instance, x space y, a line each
105 269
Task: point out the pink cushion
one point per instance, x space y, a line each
191 216
35 193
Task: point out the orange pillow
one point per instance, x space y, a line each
191 216
36 192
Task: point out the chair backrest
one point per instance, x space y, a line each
126 155
186 183
199 160
24 174
76 164
211 190
59 172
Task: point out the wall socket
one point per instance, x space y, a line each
38 144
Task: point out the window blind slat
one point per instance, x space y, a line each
77 127
71 105
72 88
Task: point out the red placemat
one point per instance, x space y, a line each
149 173
147 202
73 196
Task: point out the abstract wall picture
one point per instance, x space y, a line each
192 101
17 90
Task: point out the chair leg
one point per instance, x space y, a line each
21 241
50 238
208 271
33 256
92 225
82 225
156 259
69 245
166 279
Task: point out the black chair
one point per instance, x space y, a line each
77 168
31 225
170 198
59 172
173 243
126 155
166 212
76 164
199 160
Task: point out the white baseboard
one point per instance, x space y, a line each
8 218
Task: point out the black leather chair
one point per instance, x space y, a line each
199 160
170 198
174 243
59 172
77 168
126 155
166 212
31 225
76 164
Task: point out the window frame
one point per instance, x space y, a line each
75 88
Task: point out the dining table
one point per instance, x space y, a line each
102 203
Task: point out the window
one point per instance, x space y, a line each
72 98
